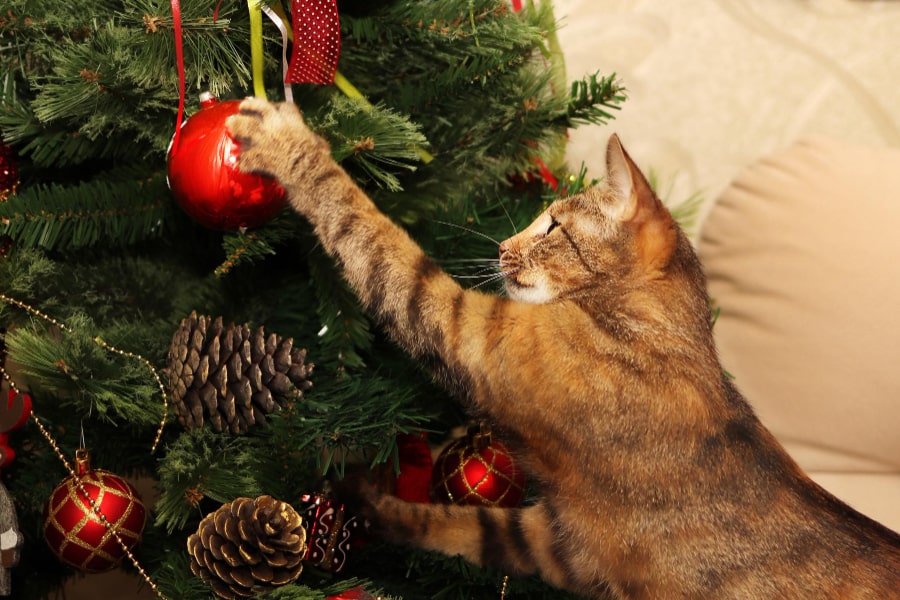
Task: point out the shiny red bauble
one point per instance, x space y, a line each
477 470
9 172
205 179
77 535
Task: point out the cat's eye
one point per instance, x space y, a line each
553 225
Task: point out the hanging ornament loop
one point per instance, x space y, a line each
257 58
179 60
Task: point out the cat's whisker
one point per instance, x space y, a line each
487 272
468 230
481 267
496 277
509 218
487 261
491 279
476 276
487 269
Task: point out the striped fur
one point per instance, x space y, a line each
656 479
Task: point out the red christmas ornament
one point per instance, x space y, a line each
354 593
9 181
328 531
13 415
9 172
74 531
477 470
416 465
205 179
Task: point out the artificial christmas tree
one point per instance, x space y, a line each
454 122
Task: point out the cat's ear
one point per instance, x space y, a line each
629 186
634 201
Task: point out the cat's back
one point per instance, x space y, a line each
640 438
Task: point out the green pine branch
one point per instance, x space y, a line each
102 211
592 98
346 330
95 83
216 53
374 141
359 416
246 247
82 375
204 464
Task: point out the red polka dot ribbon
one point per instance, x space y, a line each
317 42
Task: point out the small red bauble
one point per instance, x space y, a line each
354 593
205 179
477 470
416 466
13 414
9 172
74 531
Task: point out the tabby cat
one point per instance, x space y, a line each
655 478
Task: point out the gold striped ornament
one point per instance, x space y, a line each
74 518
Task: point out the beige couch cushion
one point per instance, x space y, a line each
802 252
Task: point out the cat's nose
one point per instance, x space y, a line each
504 248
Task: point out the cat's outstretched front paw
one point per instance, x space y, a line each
358 493
274 140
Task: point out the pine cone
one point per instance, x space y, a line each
231 377
248 546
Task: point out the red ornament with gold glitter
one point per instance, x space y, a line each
9 181
204 177
477 470
9 172
74 531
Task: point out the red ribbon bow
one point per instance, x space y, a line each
317 42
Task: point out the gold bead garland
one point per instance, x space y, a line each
95 507
108 347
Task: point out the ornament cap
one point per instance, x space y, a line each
480 435
207 99
82 461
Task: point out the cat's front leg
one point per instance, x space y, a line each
406 291
515 541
